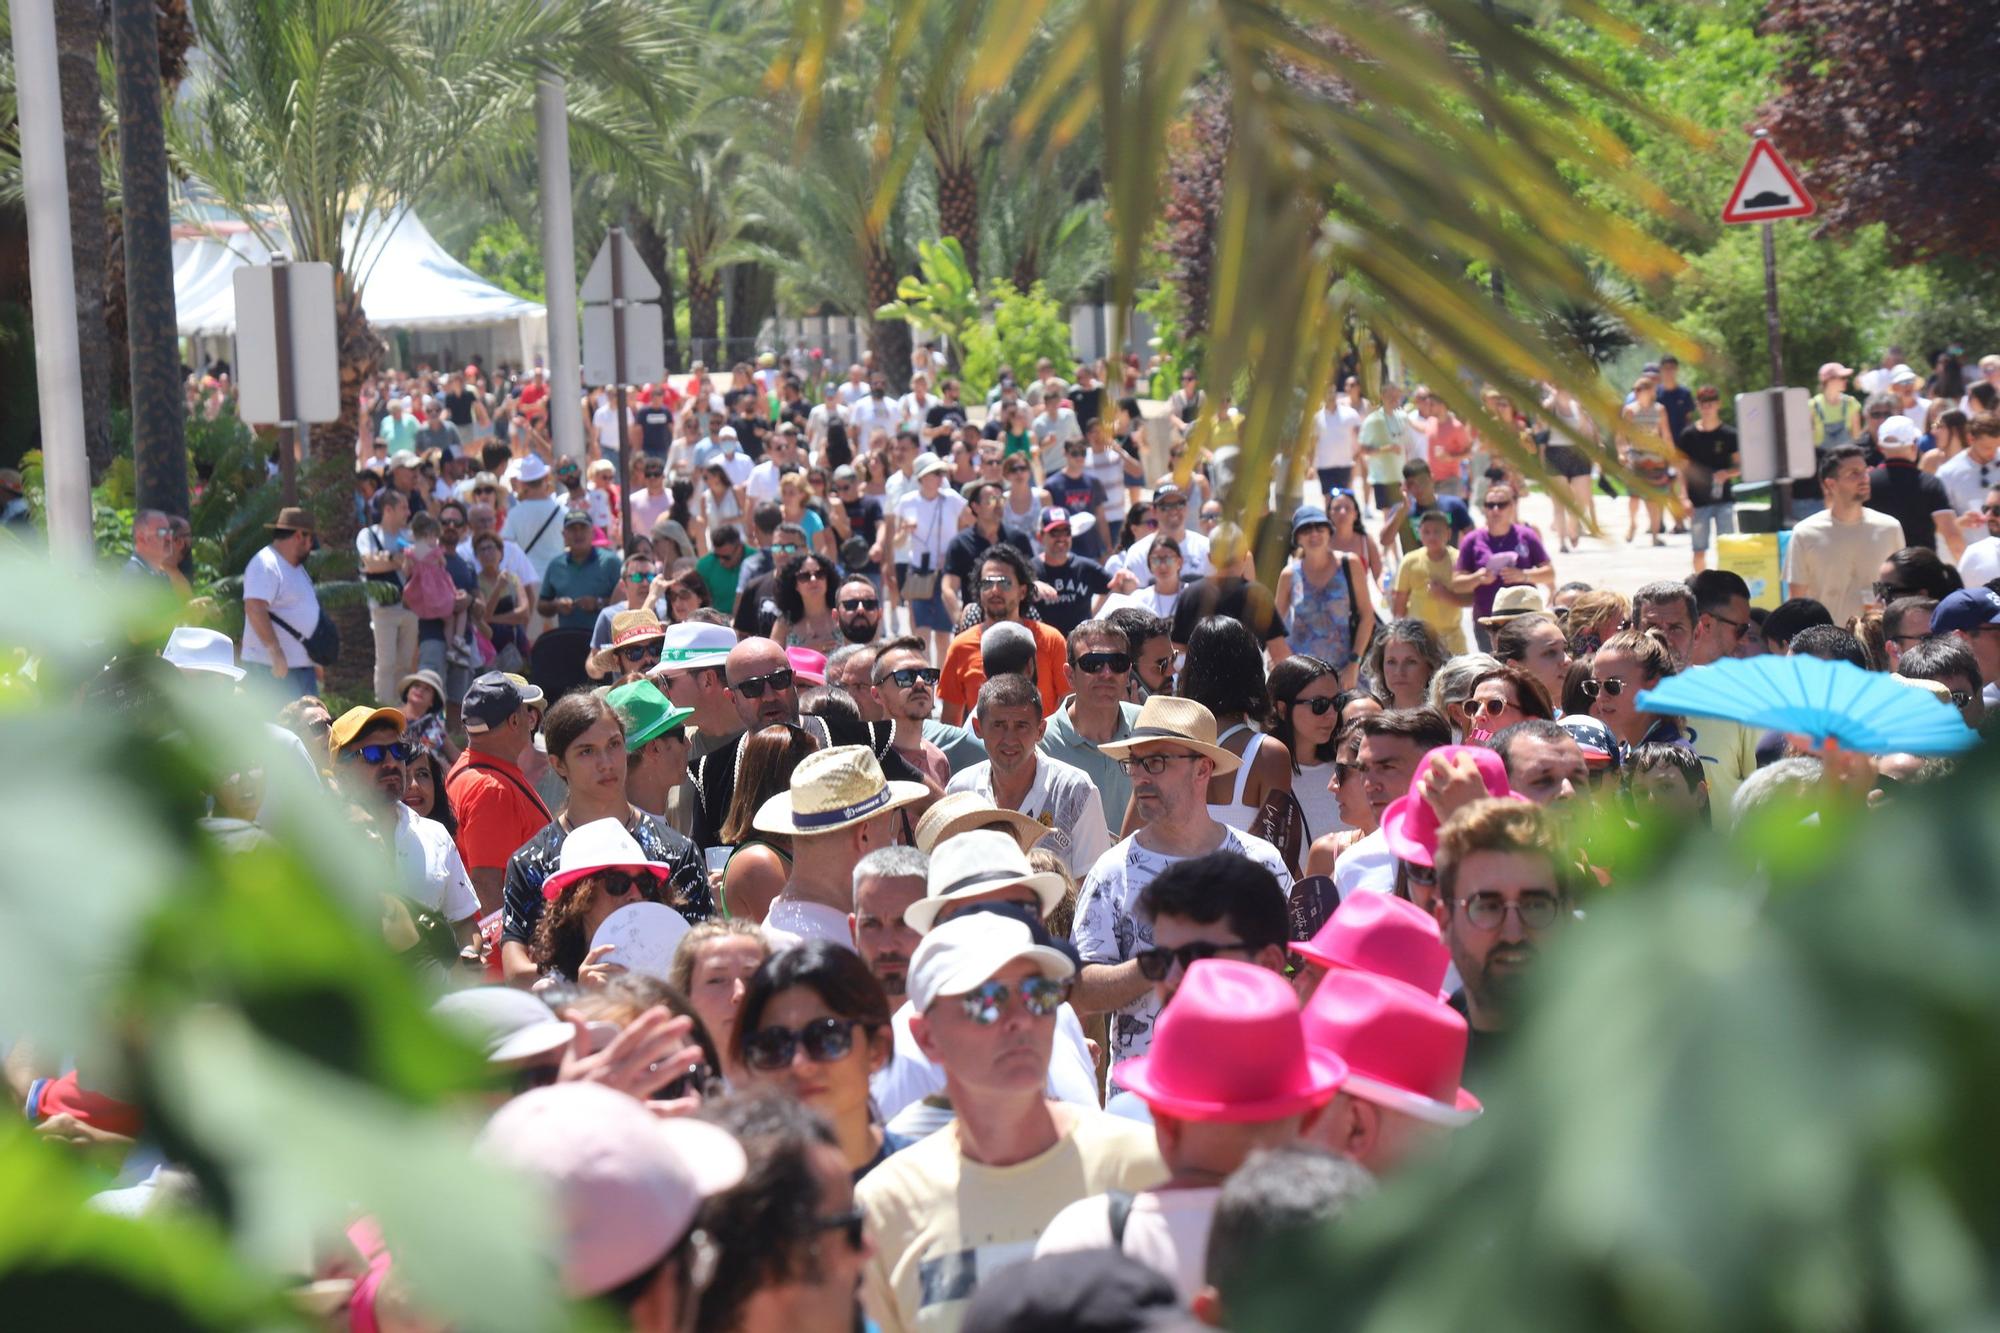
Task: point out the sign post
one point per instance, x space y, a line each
1767 189
623 339
288 368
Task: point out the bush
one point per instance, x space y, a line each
1023 328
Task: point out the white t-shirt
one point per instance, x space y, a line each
1194 558
1335 430
1109 928
536 527
871 414
937 524
288 590
852 393
763 484
1063 800
432 872
1837 562
1167 1230
1966 480
1108 466
1981 562
909 1077
788 922
1368 864
513 560
605 422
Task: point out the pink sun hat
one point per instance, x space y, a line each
1410 825
1385 935
1231 1048
808 665
1403 1049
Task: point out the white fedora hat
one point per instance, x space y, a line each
833 789
192 648
977 863
602 844
691 645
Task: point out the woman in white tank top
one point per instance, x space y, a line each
1225 674
1305 701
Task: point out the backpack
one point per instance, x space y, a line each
428 590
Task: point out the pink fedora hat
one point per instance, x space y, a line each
1404 1050
1410 826
1383 934
808 665
1231 1048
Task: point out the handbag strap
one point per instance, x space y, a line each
285 625
542 529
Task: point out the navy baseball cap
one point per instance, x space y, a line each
1968 608
1306 516
490 701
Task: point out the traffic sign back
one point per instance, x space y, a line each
1767 189
640 284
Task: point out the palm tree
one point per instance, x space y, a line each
711 212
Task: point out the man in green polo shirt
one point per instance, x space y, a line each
1099 660
582 580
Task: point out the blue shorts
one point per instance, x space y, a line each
1722 516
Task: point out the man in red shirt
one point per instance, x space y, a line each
1005 582
496 806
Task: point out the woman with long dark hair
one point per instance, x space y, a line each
687 593
607 873
423 789
1224 673
759 863
1536 643
1305 715
805 605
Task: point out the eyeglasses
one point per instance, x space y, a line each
1488 911
641 652
637 579
824 1039
849 1222
1738 625
908 676
861 604
1092 664
1154 764
1040 996
375 754
1155 963
754 687
1490 707
1591 688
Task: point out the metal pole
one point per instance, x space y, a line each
52 280
281 312
618 382
1782 490
559 268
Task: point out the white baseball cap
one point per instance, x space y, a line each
510 1025
964 952
691 645
1896 431
1903 375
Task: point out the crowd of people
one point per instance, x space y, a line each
932 879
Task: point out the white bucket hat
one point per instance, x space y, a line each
977 863
833 789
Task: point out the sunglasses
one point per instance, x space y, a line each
1320 707
824 1039
618 883
1092 664
1499 504
754 687
1591 688
375 754
861 604
905 677
811 576
1889 592
785 548
1495 707
1074 453
995 585
1040 996
1157 962
1424 877
637 579
849 1223
641 652
1165 505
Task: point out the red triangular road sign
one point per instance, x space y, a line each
1767 190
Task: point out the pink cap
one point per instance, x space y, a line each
626 1183
1832 368
1410 825
1230 1048
1405 1050
807 665
1385 935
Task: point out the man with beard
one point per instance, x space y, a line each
368 758
857 610
886 882
1501 890
1005 585
906 682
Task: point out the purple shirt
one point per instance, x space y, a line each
1478 550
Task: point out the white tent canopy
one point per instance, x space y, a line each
412 283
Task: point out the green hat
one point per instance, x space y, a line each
646 713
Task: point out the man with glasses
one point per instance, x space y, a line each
963 554
764 693
154 551
1703 621
1096 713
1968 477
1948 661
1170 506
1170 757
368 771
1080 583
1905 622
906 682
954 1210
636 592
1502 892
757 605
857 610
1972 616
1980 562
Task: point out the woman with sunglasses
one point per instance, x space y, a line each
805 605
588 886
712 966
687 593
1021 507
1631 661
1502 696
1305 715
586 748
759 863
1502 553
1357 816
815 1025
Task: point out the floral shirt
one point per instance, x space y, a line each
687 884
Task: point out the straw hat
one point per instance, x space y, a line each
835 789
962 811
977 863
1517 599
1166 718
627 628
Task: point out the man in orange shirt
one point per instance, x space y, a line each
496 805
1005 582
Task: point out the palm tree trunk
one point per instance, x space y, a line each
79 25
653 248
888 339
704 309
958 208
328 486
751 297
159 434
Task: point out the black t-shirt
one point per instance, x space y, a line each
1088 404
939 413
1483 1051
961 557
656 429
864 516
537 859
1908 494
1710 451
1249 604
1678 404
458 407
1080 495
750 433
1076 583
757 607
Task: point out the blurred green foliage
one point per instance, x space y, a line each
1023 327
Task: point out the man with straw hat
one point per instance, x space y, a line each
1171 755
280 608
633 646
839 809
